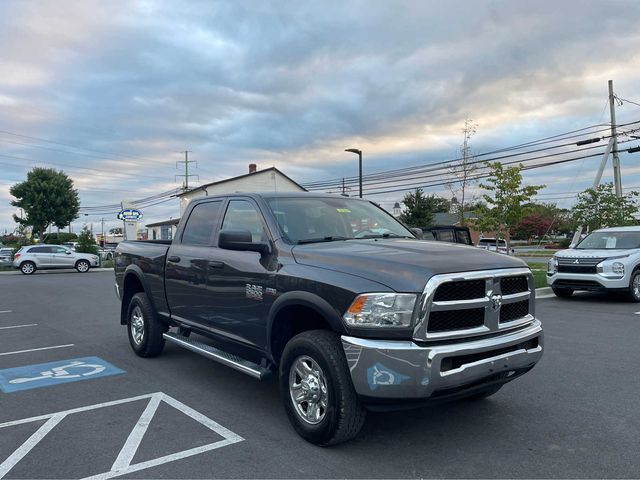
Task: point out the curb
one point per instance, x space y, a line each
543 290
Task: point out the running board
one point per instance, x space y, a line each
245 366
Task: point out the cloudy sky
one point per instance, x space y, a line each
110 92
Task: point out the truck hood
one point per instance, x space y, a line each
587 253
403 265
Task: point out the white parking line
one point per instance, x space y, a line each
19 326
6 311
31 442
122 465
36 349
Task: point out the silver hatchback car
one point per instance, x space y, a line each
42 257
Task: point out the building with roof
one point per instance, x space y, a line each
267 180
164 230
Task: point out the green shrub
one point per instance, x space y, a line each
86 243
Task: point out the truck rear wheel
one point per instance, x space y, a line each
316 389
144 329
562 292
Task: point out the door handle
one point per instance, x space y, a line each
174 259
215 264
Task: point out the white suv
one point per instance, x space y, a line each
606 260
40 257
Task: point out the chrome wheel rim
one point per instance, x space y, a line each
636 286
27 268
83 266
137 325
308 390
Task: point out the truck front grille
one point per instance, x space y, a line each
447 320
475 303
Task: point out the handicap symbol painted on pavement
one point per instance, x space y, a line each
48 374
379 375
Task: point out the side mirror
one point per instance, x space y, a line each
68 252
241 240
417 232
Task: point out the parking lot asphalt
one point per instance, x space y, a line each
575 415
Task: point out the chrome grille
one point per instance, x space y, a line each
475 303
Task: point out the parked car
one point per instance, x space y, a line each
105 253
337 299
606 260
6 255
493 245
447 233
43 257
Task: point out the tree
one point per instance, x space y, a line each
86 243
463 171
420 208
47 197
600 207
505 203
58 238
532 225
116 231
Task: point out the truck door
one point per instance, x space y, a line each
188 263
242 283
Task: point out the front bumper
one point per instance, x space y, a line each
404 370
587 281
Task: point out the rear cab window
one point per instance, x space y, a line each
201 224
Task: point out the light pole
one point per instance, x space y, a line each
359 153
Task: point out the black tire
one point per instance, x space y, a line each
634 287
343 415
83 266
28 268
562 292
151 341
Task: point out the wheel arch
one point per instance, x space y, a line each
285 319
133 282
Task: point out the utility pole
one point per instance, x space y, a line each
102 236
617 178
186 161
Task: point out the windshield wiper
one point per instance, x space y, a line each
321 239
382 235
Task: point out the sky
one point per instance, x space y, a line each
112 92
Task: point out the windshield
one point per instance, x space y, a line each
610 241
306 220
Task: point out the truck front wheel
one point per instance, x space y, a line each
145 331
317 391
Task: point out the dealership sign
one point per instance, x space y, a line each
130 214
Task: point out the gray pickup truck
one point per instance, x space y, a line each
337 299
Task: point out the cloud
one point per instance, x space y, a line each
125 86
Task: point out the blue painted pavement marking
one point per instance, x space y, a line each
53 373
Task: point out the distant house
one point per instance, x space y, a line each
164 230
267 180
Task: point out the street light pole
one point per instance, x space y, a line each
359 152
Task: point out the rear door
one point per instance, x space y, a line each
188 265
41 256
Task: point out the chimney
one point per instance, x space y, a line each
252 168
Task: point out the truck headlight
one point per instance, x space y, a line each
552 266
381 310
618 268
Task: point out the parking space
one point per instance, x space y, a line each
183 416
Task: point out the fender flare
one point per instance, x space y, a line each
136 271
305 299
